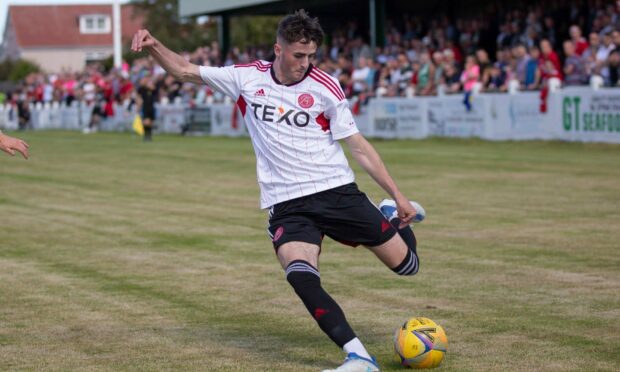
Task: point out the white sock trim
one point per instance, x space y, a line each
355 346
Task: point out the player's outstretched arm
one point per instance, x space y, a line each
10 145
368 158
174 64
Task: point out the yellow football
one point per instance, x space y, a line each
420 343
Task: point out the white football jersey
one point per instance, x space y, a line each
294 128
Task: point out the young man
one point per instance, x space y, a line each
295 114
10 145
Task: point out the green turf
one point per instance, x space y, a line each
118 255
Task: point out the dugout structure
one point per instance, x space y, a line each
368 14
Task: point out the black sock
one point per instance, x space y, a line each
411 263
306 282
147 132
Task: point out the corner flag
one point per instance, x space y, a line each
137 125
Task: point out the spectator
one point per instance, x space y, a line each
485 64
549 31
425 84
449 39
23 110
532 72
579 41
548 55
498 81
403 73
615 38
360 76
439 69
574 66
593 65
451 78
521 61
613 65
471 73
98 113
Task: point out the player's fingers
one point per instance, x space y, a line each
134 42
23 149
146 39
405 218
137 40
405 221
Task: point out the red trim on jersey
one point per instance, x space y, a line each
329 78
242 105
328 84
323 122
258 64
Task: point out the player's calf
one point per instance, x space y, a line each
410 264
306 281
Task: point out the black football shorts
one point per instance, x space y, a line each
344 213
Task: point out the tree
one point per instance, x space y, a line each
163 21
17 70
253 31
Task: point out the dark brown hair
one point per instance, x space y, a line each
300 27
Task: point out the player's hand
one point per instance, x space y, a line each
142 39
10 145
406 212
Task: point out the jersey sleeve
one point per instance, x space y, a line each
341 122
223 79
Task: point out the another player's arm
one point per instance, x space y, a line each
10 144
174 64
368 158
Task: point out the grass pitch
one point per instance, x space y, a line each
118 255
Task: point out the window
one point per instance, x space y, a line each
95 24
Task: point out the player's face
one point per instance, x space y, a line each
294 59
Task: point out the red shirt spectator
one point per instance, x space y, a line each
548 55
581 44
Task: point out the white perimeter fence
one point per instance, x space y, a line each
573 114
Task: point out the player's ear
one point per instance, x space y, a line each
277 49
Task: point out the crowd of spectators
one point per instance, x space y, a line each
569 40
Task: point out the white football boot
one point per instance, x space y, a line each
388 208
356 363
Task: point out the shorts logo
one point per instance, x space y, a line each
278 234
305 100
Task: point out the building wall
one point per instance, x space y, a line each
61 59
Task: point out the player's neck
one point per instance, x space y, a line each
281 78
278 73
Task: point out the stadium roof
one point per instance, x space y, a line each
193 7
368 14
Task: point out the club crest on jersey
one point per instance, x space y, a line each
305 100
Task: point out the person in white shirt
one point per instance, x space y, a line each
360 76
10 145
295 115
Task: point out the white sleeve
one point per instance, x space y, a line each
341 122
223 79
